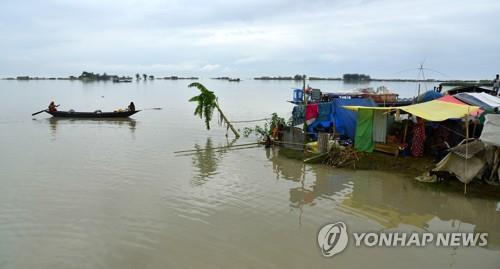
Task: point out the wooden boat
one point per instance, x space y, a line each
92 115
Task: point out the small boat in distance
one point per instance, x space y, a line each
234 79
96 115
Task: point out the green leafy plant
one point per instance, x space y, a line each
207 103
266 129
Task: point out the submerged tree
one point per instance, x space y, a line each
207 102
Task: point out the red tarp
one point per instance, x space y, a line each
451 99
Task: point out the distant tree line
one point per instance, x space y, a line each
356 77
91 76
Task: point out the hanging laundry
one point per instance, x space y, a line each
325 111
311 113
298 114
417 145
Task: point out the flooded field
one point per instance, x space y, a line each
112 193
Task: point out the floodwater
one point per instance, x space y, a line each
112 194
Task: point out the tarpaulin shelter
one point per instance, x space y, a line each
451 99
435 110
345 120
334 113
465 161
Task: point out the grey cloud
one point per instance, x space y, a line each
249 37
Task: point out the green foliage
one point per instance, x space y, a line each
267 129
356 77
207 101
88 76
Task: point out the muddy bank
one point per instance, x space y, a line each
379 161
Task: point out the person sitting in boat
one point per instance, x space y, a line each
52 107
131 107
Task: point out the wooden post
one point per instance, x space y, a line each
323 142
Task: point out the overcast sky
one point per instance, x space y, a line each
382 38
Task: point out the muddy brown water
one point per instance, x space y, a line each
112 194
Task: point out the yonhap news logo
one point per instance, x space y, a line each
333 239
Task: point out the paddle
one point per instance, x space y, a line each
36 113
153 108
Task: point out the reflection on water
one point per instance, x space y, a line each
388 199
206 159
55 122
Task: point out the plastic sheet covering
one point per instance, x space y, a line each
457 166
491 100
473 100
364 131
428 96
451 99
345 120
491 130
464 166
434 110
379 126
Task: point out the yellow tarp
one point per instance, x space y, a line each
434 110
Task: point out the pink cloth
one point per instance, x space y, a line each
311 113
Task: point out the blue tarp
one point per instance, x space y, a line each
428 96
345 120
333 112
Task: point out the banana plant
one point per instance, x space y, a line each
207 103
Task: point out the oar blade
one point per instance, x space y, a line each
36 113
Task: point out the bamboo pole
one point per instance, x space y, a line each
217 150
223 147
313 158
304 129
227 121
466 146
405 132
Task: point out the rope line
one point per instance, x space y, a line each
243 121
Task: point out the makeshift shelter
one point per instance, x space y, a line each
465 161
451 99
346 120
435 110
333 113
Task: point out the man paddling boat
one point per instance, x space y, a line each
52 107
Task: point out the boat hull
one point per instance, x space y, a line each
92 115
